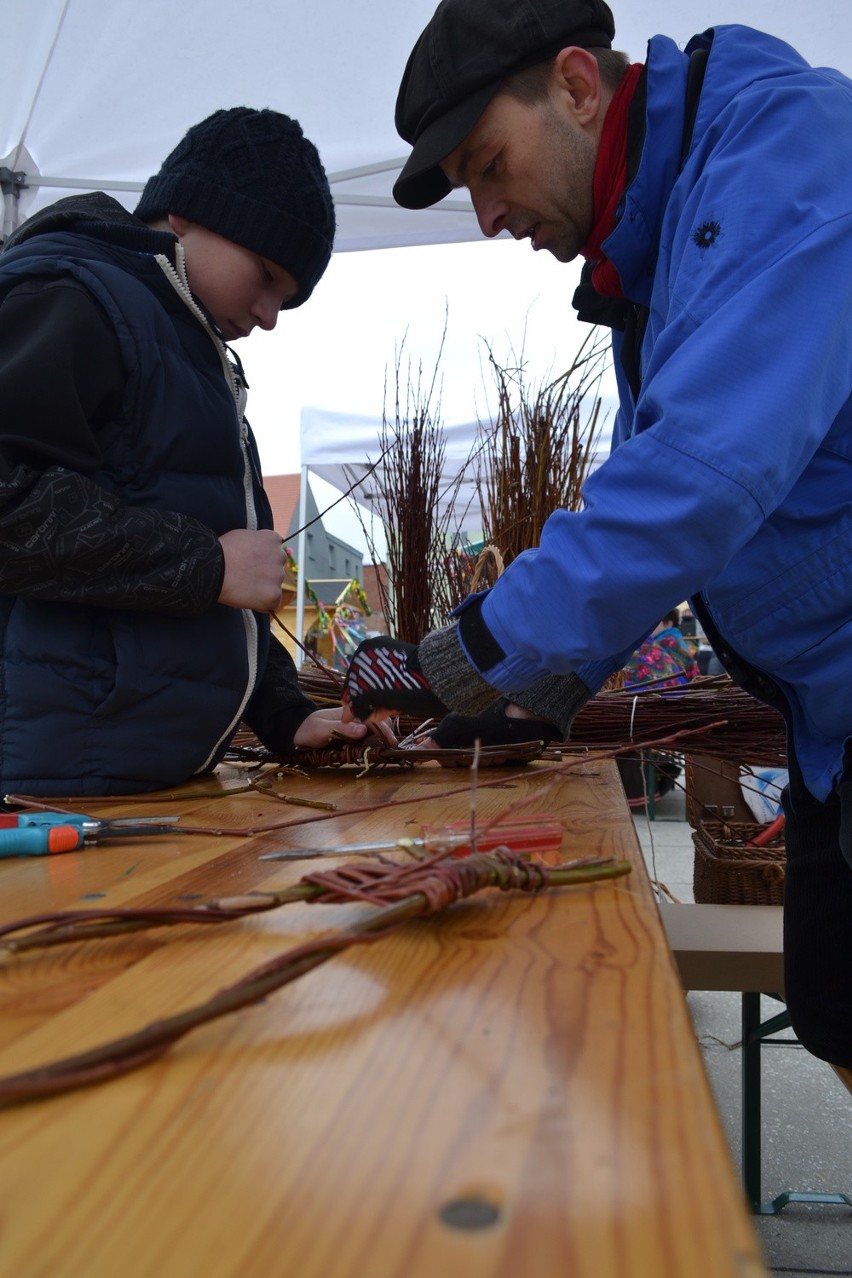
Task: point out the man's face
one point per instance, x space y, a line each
240 289
529 170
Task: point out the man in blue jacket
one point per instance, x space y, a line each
709 191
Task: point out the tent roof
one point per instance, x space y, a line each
343 449
96 94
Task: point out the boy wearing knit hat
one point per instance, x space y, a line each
139 564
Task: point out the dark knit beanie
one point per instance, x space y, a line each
254 178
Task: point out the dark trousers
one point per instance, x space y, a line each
818 917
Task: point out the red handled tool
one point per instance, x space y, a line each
768 833
520 834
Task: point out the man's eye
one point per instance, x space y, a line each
266 273
490 169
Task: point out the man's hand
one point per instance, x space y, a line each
501 724
326 727
254 569
384 675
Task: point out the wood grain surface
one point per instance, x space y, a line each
511 1088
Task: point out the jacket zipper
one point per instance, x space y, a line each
177 277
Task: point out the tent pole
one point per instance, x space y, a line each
301 548
11 185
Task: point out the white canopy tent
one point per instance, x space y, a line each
343 449
94 93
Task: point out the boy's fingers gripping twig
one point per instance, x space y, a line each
253 569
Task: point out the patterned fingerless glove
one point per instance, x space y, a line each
385 674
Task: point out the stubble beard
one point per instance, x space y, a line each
574 154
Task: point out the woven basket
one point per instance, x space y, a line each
729 872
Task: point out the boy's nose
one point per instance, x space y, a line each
265 311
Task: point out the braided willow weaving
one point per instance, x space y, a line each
401 892
722 720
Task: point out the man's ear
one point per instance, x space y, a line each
577 79
179 225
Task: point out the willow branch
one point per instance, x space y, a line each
406 892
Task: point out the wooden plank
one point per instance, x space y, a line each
727 947
513 1086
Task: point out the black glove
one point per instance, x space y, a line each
385 674
493 727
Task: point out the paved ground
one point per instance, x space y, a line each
807 1112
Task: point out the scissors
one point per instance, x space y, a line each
46 833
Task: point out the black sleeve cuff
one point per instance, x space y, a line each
450 674
477 639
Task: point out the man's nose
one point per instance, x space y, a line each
491 215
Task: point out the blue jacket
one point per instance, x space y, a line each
100 699
740 436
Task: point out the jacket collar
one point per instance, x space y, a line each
654 154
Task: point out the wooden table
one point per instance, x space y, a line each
511 1088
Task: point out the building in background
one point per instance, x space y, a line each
330 562
343 603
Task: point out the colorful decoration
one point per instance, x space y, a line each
666 659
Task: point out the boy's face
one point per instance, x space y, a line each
239 288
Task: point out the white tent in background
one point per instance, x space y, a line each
342 449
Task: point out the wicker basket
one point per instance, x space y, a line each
729 872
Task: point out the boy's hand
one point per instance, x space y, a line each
254 569
327 727
384 675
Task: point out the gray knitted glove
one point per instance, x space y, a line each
557 698
450 674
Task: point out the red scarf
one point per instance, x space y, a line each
610 179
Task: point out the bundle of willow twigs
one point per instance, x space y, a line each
540 446
323 685
737 726
426 556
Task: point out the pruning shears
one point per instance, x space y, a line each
46 833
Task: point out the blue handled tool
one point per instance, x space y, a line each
46 833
